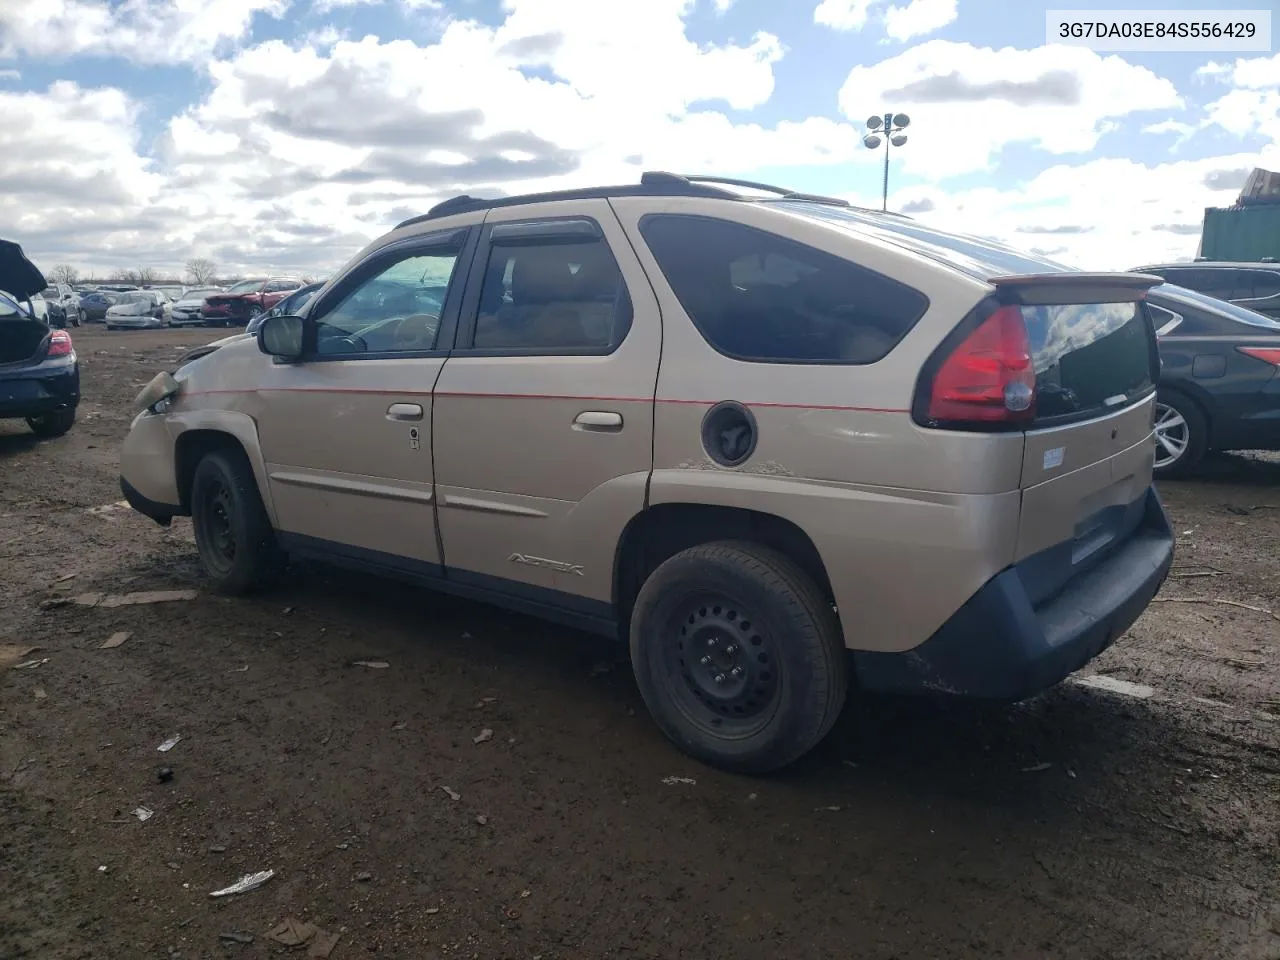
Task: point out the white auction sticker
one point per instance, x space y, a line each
1171 31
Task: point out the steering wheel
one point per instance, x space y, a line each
416 331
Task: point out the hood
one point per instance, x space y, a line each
224 297
18 275
190 303
130 309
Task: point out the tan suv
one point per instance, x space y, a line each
779 444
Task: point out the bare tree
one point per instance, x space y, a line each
145 276
64 273
201 270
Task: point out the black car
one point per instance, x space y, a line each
1220 382
94 305
1255 286
39 372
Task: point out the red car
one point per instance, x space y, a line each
245 300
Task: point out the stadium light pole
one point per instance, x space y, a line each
889 129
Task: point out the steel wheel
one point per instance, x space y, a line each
722 666
1173 436
213 525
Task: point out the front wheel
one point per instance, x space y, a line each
53 424
738 656
1182 435
234 537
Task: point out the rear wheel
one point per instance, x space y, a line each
53 424
81 318
738 656
1182 435
234 537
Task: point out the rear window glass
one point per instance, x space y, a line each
977 256
760 297
1090 357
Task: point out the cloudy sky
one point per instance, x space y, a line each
281 135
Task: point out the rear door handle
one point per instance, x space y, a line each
604 421
404 411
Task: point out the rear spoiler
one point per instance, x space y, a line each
1073 286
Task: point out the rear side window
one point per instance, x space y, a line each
1089 358
760 297
552 297
1265 284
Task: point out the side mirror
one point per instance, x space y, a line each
282 337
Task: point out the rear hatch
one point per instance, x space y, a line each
1070 361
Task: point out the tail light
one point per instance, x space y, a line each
59 344
1269 355
988 377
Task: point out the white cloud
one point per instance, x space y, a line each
10 75
327 6
1101 215
1253 73
919 17
1170 126
843 14
722 6
1253 107
298 155
145 31
967 103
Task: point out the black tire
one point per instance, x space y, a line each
234 537
53 424
81 318
777 676
1196 436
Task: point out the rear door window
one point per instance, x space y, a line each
760 297
1090 358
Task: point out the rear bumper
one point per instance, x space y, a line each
998 646
39 391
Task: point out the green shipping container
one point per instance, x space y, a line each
1241 234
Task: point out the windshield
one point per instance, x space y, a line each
49 293
1191 298
133 298
200 294
9 308
246 286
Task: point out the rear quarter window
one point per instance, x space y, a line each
757 296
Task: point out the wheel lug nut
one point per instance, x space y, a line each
736 671
711 641
731 649
706 661
720 678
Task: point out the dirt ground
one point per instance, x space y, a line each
1083 824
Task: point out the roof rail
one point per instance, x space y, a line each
653 184
784 193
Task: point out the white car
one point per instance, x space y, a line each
139 310
187 309
62 293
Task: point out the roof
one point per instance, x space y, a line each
654 183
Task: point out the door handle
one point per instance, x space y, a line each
404 411
599 420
